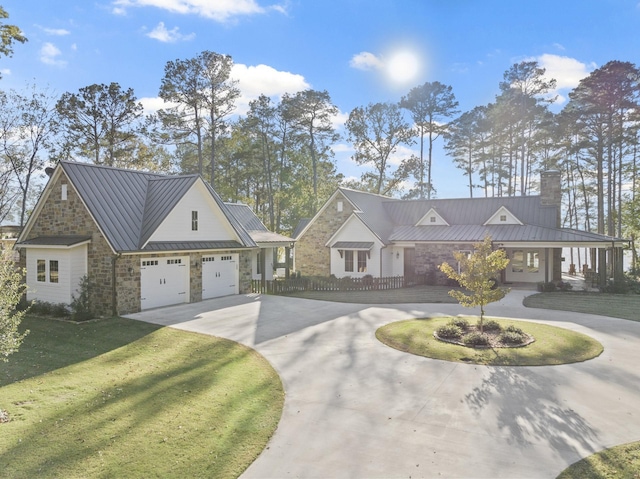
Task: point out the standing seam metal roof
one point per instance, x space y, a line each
129 205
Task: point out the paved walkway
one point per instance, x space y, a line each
356 408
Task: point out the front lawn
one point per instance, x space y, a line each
123 398
552 345
625 306
617 462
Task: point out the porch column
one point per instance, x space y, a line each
602 267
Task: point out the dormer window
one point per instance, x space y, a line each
432 219
194 221
503 218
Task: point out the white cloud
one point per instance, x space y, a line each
49 54
218 10
56 31
366 61
263 79
400 154
565 70
252 82
161 34
5 71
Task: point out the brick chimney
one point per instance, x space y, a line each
551 191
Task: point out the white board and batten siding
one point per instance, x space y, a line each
164 281
354 230
220 275
212 223
72 266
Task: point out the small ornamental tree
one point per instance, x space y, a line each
477 275
11 289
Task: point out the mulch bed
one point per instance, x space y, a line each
494 339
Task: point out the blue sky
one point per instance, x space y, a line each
343 46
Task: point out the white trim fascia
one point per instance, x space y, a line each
502 210
432 211
58 246
209 198
343 225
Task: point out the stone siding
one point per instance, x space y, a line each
429 256
71 217
313 257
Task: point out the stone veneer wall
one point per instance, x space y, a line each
70 217
313 258
429 256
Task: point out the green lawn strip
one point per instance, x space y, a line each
552 345
617 462
415 294
167 404
624 306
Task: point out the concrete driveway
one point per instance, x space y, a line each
356 408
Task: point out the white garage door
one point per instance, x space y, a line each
219 275
164 281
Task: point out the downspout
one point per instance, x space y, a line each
114 308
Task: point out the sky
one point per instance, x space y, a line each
360 51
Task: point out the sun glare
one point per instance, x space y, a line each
403 67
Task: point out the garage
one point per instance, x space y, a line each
164 281
219 275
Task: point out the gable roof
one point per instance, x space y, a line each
256 228
395 220
128 205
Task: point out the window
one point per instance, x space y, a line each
503 218
42 271
432 219
533 265
362 261
53 271
340 206
63 193
348 261
517 261
194 221
467 253
150 263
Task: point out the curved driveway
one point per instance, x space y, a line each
356 408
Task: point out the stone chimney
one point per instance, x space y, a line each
551 191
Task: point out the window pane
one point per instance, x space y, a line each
194 221
41 269
53 271
362 261
348 261
532 262
517 261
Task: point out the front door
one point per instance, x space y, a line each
409 266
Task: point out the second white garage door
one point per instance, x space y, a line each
164 281
219 275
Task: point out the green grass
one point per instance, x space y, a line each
625 306
122 398
552 346
617 462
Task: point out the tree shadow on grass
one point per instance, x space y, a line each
528 410
53 344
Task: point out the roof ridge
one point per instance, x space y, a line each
106 167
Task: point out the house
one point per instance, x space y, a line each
264 262
143 240
356 234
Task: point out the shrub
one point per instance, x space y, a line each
491 325
449 331
513 329
462 323
476 339
512 337
60 310
80 305
546 287
564 286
